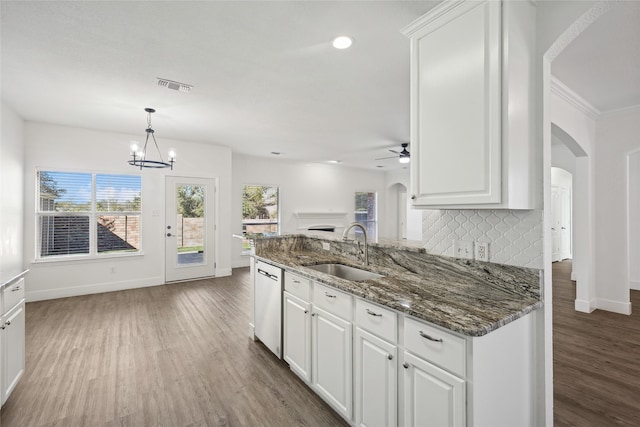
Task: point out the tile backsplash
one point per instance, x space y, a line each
514 237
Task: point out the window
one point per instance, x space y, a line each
260 211
85 214
366 213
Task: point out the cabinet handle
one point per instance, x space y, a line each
389 356
296 281
413 197
17 288
371 313
306 311
405 365
329 295
8 322
313 314
3 327
423 335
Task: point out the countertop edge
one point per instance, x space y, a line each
13 278
469 332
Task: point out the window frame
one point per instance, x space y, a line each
246 239
374 221
92 215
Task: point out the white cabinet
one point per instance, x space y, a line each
376 367
332 359
472 115
432 396
12 337
318 339
297 335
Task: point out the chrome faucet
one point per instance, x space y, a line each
364 231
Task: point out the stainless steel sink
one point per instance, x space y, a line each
345 272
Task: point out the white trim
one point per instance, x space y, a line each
613 306
584 306
575 100
573 276
92 289
625 110
222 272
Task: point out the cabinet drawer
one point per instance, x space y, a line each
297 285
332 300
435 345
13 294
378 320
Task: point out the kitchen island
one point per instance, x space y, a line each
434 341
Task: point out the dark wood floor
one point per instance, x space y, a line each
173 355
596 360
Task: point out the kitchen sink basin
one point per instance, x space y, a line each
345 272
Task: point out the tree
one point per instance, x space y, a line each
256 201
191 201
49 186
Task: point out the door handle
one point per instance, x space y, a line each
168 234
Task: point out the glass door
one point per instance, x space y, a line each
189 230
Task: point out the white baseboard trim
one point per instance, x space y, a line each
573 276
96 288
584 306
222 272
634 285
242 263
252 332
613 306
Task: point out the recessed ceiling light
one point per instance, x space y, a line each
342 42
334 162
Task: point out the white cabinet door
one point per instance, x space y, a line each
297 335
332 359
456 105
13 348
376 378
432 397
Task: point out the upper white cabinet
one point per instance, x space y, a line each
471 105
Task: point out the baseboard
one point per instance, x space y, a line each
613 306
252 332
584 306
634 285
222 272
573 276
244 262
97 288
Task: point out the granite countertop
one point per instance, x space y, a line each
9 277
469 297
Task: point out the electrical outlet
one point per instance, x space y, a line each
463 249
482 251
326 246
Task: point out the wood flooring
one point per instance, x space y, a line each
596 362
172 355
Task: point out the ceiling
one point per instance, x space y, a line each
265 76
602 64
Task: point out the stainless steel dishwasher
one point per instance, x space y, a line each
268 306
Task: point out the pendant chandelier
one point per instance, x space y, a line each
141 158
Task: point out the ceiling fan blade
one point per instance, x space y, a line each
385 158
394 151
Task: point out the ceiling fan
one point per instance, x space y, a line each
403 156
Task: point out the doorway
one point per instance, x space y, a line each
561 203
633 219
189 228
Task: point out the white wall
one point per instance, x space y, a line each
414 216
562 157
65 148
11 192
304 187
616 136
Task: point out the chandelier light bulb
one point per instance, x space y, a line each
172 154
133 148
406 159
